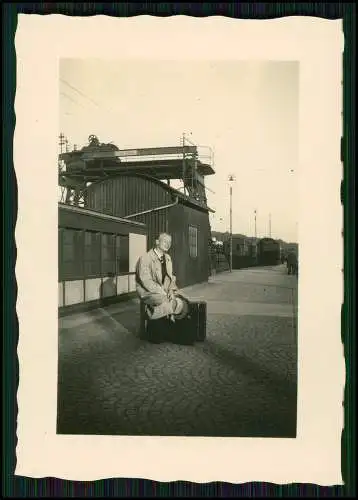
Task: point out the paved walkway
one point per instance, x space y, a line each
240 382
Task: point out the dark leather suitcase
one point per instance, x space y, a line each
197 320
193 326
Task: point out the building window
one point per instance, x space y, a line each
71 263
193 242
92 254
108 254
60 231
122 254
68 245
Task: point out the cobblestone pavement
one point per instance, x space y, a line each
240 382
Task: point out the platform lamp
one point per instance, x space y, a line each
255 218
231 180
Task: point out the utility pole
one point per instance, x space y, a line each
231 180
270 225
62 142
183 173
255 224
230 227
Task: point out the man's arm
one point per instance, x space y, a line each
173 288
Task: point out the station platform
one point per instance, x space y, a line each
241 381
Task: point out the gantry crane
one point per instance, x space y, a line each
95 161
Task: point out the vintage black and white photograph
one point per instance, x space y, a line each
178 248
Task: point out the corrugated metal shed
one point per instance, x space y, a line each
125 195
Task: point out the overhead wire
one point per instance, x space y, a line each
72 100
90 99
80 92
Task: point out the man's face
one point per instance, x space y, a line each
164 243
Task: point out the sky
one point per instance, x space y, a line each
246 111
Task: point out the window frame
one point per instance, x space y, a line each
112 260
122 270
191 240
73 269
85 264
97 260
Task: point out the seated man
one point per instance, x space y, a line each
156 284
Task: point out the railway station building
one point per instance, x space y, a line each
116 203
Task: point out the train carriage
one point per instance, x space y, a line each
244 252
269 252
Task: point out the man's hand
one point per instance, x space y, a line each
172 294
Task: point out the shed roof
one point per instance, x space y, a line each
94 213
183 198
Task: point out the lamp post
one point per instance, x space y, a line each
231 179
270 225
183 166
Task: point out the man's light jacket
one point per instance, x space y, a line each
150 287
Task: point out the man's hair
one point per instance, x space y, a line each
164 235
161 236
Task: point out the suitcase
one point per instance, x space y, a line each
193 326
197 320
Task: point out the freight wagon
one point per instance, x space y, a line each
244 252
268 252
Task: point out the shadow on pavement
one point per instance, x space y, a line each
273 381
98 356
